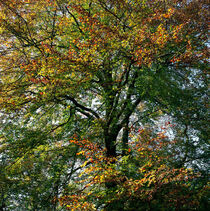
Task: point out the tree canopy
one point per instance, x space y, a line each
104 105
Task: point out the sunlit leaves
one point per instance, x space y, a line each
78 79
140 175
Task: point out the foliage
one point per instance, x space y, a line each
100 73
144 179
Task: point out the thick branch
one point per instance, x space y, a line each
81 106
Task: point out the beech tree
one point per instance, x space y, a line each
98 72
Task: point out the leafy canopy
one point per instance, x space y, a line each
81 81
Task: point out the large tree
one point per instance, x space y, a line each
96 70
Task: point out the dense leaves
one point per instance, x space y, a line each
143 179
87 88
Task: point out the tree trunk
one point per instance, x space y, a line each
110 143
125 138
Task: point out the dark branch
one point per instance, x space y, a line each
81 106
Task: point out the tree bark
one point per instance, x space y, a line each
125 138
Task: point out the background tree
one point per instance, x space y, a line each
95 69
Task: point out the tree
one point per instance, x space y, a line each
143 178
95 69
